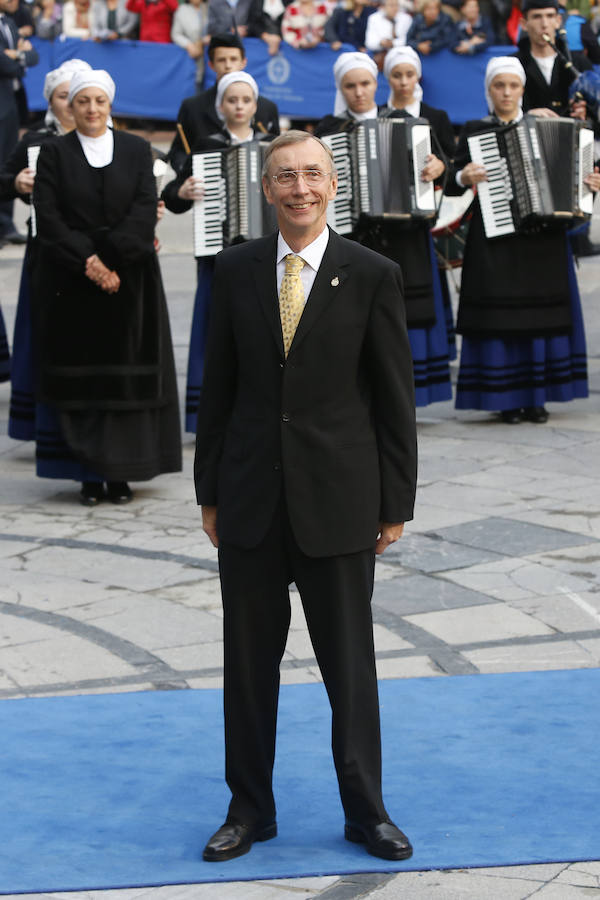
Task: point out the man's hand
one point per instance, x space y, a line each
209 523
389 533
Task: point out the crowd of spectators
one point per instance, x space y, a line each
464 26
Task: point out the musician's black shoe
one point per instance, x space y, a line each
119 492
233 840
537 414
384 839
511 416
92 493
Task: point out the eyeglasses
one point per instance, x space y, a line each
289 177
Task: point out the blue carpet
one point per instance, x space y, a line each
122 790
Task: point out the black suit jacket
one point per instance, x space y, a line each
198 118
11 69
538 93
333 425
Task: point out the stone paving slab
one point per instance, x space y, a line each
509 537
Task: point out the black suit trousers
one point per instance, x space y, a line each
336 597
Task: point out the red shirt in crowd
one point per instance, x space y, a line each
155 19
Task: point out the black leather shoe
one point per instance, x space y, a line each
537 414
15 238
119 492
384 840
235 840
92 493
511 416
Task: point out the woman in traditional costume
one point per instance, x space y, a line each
105 369
519 311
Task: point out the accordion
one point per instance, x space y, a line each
535 173
379 167
234 208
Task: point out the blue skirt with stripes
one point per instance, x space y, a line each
429 347
498 374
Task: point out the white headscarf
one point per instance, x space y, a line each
55 77
345 63
98 78
64 73
506 64
232 78
394 57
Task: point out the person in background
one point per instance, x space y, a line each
111 20
355 77
105 358
23 19
26 419
547 73
474 31
431 30
198 116
386 28
348 24
235 103
224 16
156 19
16 55
264 22
76 19
190 31
523 340
303 23
47 17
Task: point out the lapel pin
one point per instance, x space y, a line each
335 281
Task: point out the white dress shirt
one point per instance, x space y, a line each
380 28
312 256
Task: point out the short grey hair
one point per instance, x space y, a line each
295 136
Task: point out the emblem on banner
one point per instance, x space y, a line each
278 70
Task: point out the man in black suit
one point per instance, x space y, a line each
305 469
15 55
198 115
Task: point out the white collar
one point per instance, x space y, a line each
361 117
98 150
413 109
311 254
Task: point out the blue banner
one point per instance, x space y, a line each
153 79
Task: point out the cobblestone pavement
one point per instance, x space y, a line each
500 571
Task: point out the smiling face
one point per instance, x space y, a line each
358 87
239 104
403 81
301 209
91 109
506 90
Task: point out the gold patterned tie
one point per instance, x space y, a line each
291 299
